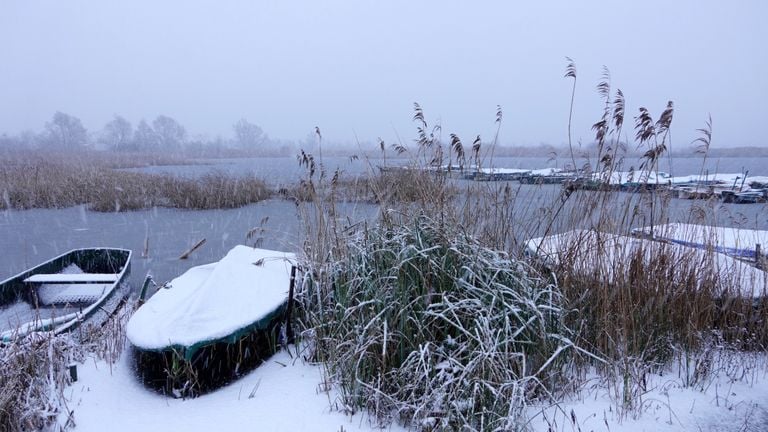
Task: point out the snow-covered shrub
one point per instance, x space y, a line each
422 324
33 373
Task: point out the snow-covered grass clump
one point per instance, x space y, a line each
33 371
420 323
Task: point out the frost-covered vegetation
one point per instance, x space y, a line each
33 374
419 322
435 315
35 371
32 181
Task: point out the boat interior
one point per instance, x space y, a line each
58 289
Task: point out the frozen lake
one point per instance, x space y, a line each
31 236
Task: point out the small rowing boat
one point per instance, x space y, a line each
60 295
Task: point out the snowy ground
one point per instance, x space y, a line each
281 395
287 395
734 400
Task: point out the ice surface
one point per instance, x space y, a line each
213 301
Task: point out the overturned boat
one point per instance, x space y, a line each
214 322
613 257
741 243
74 291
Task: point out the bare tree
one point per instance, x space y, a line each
118 135
66 132
248 135
170 134
145 137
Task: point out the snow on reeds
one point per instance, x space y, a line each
419 318
52 183
33 373
35 370
421 323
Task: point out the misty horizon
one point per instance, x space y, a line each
355 70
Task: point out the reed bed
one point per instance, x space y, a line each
43 183
104 159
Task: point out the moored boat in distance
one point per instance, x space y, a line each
548 176
212 323
80 288
749 196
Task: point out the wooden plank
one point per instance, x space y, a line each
73 278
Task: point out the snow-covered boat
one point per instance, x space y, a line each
749 196
548 176
735 242
499 174
592 252
205 327
82 286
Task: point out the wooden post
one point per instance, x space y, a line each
72 372
290 337
758 256
186 254
144 287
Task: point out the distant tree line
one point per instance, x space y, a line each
163 134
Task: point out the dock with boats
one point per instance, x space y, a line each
730 188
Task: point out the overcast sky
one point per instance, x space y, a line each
354 68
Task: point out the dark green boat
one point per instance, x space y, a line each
62 294
209 326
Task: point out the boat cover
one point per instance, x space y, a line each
214 302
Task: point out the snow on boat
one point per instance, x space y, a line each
548 176
594 252
500 174
749 196
735 242
82 286
208 325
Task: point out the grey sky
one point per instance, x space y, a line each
356 67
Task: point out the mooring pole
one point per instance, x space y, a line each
758 256
288 328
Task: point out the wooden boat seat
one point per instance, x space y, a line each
72 293
70 288
73 278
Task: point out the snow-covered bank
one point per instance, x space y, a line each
288 395
733 398
283 394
